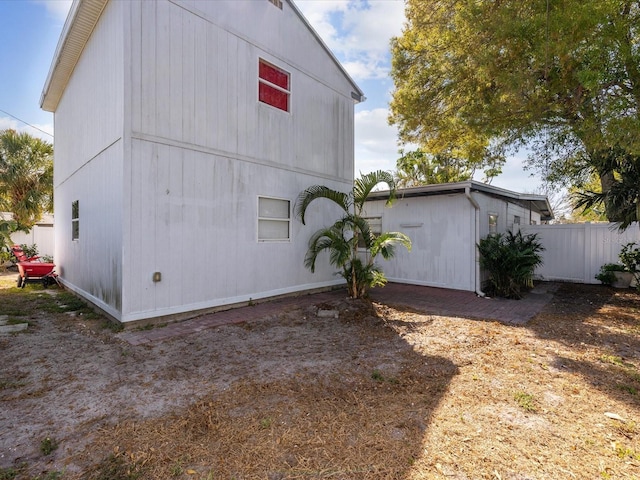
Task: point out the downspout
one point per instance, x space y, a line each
478 281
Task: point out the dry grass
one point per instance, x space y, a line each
462 399
472 400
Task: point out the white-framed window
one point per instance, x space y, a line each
75 220
493 223
274 219
273 85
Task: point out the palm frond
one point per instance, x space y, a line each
331 239
364 185
315 192
386 242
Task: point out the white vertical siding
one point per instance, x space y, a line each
198 84
162 140
203 149
442 233
88 167
506 211
92 265
89 117
194 219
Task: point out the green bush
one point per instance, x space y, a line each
29 250
510 261
606 275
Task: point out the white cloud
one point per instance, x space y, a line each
357 32
375 140
58 9
38 131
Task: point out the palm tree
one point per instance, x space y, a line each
26 177
622 200
344 239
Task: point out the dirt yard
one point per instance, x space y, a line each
378 393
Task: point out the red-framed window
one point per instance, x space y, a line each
273 86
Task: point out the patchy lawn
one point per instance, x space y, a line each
379 393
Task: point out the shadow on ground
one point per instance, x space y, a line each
601 326
289 396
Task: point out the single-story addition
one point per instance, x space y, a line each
445 223
184 131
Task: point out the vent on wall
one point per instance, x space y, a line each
277 3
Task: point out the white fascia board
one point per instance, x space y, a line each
81 21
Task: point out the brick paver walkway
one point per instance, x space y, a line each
458 303
427 300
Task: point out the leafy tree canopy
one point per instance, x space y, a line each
420 168
26 177
562 76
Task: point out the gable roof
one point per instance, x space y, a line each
538 203
82 19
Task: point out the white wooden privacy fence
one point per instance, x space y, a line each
575 252
40 235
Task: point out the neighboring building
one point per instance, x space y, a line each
184 131
445 222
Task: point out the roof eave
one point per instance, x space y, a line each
357 95
81 21
541 202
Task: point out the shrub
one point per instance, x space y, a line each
629 262
29 250
509 260
606 275
630 257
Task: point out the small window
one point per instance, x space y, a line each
273 86
277 3
75 220
516 220
493 223
273 219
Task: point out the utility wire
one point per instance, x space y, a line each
27 123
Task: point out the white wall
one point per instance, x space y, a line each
506 211
88 167
203 148
575 252
195 83
162 140
194 219
442 232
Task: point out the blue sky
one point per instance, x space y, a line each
358 32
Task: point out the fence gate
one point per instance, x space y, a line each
575 252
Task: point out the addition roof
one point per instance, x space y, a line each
538 203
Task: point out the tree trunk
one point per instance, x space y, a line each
606 182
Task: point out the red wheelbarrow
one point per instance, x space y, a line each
31 270
36 272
